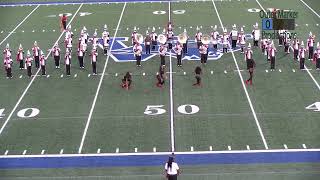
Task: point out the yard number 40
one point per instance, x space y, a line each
23 113
315 106
158 109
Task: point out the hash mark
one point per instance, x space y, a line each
117 150
210 148
6 153
20 76
285 146
98 151
135 149
154 149
24 152
61 75
280 70
225 71
191 148
42 152
248 147
229 148
61 151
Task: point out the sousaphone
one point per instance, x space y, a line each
205 39
182 38
162 39
139 38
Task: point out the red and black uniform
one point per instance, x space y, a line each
272 53
160 77
20 58
64 22
252 64
198 72
127 80
248 57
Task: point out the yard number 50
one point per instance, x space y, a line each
158 109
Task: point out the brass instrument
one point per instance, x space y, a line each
162 38
205 39
182 38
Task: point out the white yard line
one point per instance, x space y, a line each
309 8
159 153
11 32
99 85
33 78
306 68
244 86
171 96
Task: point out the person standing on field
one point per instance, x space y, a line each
172 170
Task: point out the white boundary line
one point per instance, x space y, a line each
161 153
34 77
99 85
11 32
314 80
306 68
171 96
244 86
310 8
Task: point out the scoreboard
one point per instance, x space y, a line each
278 24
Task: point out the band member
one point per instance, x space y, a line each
198 37
94 40
248 55
68 44
36 53
147 42
272 54
126 81
20 57
7 66
137 49
69 33
6 52
178 50
63 21
81 55
302 55
56 55
215 37
162 52
29 63
94 56
310 45
81 40
85 34
234 36
169 26
287 42
172 169
256 35
106 39
295 48
67 59
204 53
134 36
317 56
252 65
242 40
268 49
198 72
185 45
161 77
170 35
43 63
154 37
225 41
281 36
263 46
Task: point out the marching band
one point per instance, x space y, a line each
168 43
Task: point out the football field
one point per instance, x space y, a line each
92 115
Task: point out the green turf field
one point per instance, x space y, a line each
92 114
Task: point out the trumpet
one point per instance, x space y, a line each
182 38
162 39
205 39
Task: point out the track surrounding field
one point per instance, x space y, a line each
85 114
